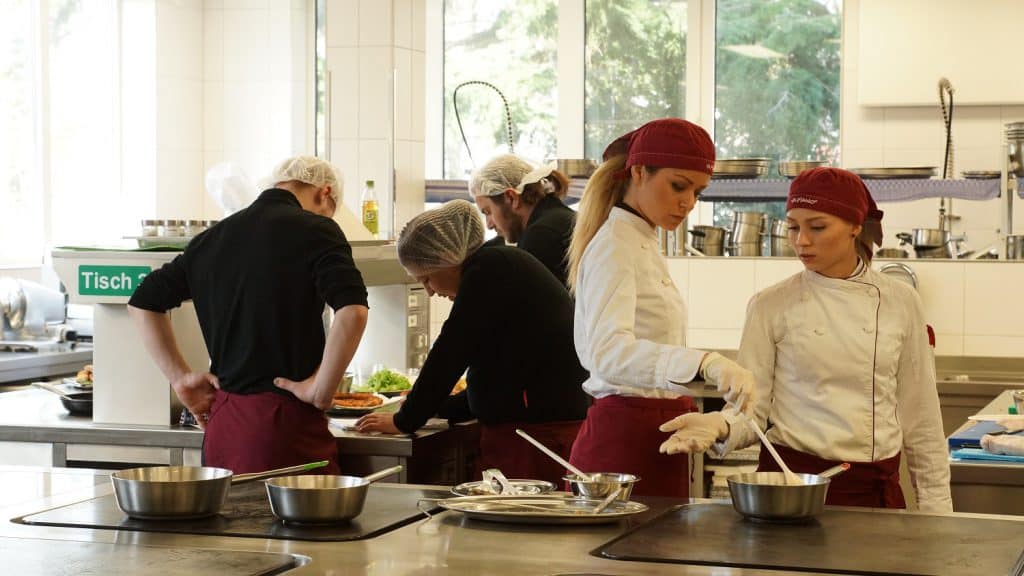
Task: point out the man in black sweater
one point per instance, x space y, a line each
511 325
524 205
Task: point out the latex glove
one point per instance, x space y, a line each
693 432
1003 444
729 377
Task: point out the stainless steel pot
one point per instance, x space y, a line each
744 249
765 496
709 239
576 167
321 499
1015 247
929 237
892 253
778 246
182 492
933 252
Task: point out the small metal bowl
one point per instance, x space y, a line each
601 485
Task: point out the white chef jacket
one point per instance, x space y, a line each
844 371
630 322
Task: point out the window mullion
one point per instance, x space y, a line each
571 91
41 85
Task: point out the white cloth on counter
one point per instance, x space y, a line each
630 323
845 372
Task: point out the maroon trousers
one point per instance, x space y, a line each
264 431
502 448
621 434
869 484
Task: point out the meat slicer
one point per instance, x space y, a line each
33 315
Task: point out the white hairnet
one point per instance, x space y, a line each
308 170
442 237
509 171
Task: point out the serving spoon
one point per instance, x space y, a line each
789 475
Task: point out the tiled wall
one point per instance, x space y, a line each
915 136
256 87
375 47
971 305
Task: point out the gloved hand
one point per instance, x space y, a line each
693 432
1003 444
729 377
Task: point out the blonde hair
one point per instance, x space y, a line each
603 192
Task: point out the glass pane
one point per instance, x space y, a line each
87 201
512 45
320 40
21 234
635 67
777 79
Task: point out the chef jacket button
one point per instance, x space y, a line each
819 331
868 329
644 245
666 281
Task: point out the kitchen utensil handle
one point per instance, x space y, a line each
838 469
51 388
555 457
790 476
241 478
608 500
383 473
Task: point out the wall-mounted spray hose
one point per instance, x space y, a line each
458 120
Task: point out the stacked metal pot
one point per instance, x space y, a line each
745 236
929 242
1015 147
709 240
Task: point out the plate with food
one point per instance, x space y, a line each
386 382
82 380
358 403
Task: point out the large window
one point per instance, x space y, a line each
511 45
635 66
59 127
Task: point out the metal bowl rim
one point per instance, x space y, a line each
748 479
119 475
284 481
631 478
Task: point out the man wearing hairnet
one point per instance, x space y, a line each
524 205
523 374
259 280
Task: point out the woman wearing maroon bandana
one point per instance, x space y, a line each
630 319
844 368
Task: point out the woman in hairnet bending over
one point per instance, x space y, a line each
843 361
630 317
524 204
511 326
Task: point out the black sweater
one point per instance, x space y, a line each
512 326
547 235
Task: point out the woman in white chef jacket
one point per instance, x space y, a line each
630 319
843 361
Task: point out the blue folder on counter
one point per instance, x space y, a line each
971 436
976 454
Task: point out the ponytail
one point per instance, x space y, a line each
603 191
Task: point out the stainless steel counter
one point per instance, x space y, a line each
988 487
446 544
24 366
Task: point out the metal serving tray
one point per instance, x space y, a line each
550 509
895 172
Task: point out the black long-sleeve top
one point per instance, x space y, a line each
511 325
548 233
259 280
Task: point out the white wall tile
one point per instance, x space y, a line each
418 108
180 184
245 131
375 23
895 157
211 209
409 190
1001 346
345 156
342 23
987 309
913 127
862 128
402 32
343 64
941 287
403 105
246 4
977 126
213 45
419 25
862 157
982 158
718 292
949 344
1012 114
245 47
375 67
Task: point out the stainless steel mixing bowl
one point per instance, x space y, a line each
601 485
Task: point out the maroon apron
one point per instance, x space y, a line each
502 448
870 484
264 431
621 434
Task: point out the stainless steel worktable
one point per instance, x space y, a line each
68 358
446 544
988 487
36 416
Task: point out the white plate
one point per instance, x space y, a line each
336 411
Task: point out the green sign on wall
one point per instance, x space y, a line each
110 280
